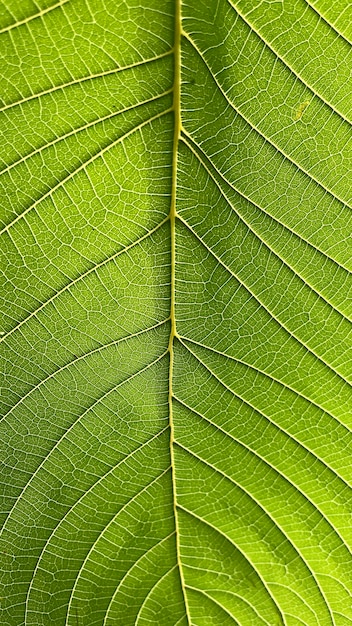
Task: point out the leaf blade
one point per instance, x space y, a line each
177 410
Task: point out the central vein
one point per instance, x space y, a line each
177 132
173 332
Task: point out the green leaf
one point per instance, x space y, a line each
176 313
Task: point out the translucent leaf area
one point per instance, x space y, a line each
176 189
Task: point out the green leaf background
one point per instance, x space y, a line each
176 313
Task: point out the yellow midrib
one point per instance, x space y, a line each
172 215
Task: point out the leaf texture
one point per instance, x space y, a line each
176 313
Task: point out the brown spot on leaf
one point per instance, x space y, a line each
300 110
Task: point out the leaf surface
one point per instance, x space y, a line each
176 313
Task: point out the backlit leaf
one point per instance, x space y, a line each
176 313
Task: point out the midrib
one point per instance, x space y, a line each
172 215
